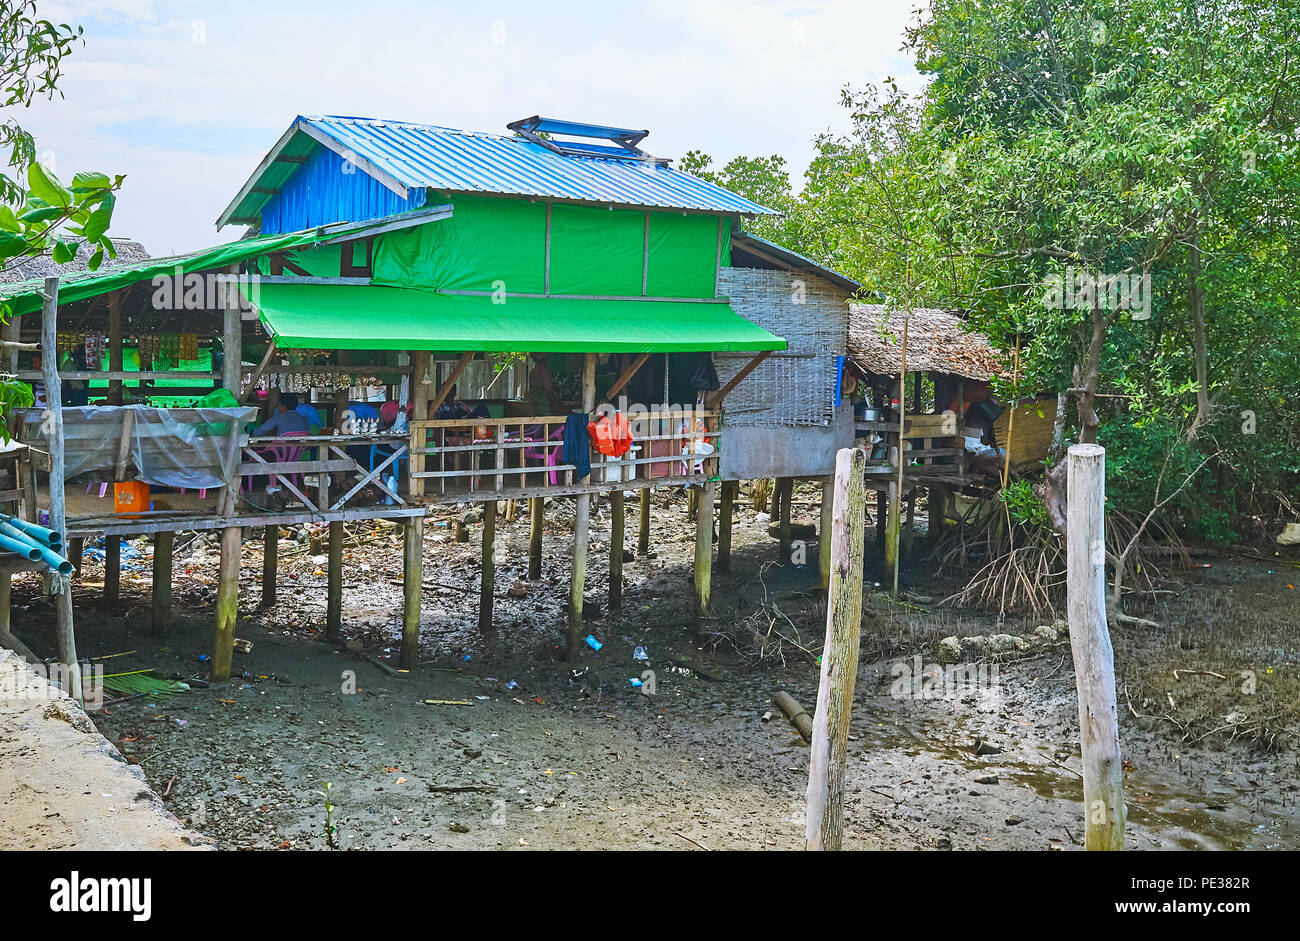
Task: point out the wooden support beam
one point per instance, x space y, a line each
161 589
582 522
445 389
63 630
826 527
703 555
232 337
617 521
893 524
937 507
714 399
114 347
420 363
75 548
412 581
223 647
784 494
726 512
251 390
643 523
828 751
487 582
270 563
1105 815
536 520
334 582
626 377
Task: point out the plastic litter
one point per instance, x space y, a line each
593 643
640 654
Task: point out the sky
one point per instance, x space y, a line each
185 98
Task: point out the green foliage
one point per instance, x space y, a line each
1024 507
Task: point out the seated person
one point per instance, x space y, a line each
286 420
453 407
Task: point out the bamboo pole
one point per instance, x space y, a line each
703 555
895 521
582 522
1094 661
487 583
643 523
63 629
726 512
829 747
617 523
270 562
227 604
334 582
161 588
412 581
536 522
232 339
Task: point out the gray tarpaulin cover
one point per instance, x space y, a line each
167 447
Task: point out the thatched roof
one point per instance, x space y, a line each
128 253
937 341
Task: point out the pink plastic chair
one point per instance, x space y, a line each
281 454
549 456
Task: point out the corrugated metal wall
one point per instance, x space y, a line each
328 188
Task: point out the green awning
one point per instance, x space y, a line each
365 317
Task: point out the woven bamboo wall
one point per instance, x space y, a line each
796 386
1030 434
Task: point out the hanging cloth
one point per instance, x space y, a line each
577 445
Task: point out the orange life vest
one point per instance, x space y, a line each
611 435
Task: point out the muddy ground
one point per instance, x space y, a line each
515 755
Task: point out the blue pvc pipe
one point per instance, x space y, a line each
55 561
28 550
38 533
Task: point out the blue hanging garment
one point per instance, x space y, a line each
577 445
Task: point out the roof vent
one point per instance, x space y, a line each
623 141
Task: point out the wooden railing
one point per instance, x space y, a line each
523 457
330 457
936 450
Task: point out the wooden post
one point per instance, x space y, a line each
643 523
1094 661
893 522
825 527
581 524
112 569
63 630
232 339
726 510
421 363
114 347
617 521
703 555
784 493
161 589
487 584
227 604
412 582
830 739
270 562
536 521
75 549
762 489
334 582
937 506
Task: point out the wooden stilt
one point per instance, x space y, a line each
63 630
334 583
487 584
112 569
270 562
227 604
909 530
581 525
726 510
785 493
828 750
412 581
825 527
161 589
703 556
643 523
7 639
75 549
882 519
893 521
617 522
536 522
692 504
762 491
937 508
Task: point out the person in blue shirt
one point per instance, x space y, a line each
287 419
315 423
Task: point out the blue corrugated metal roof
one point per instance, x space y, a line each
405 155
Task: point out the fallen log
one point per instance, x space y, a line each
796 713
